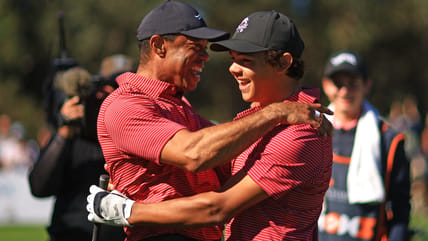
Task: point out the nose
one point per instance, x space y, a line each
203 54
234 69
344 89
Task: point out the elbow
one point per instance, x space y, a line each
215 209
196 165
190 151
198 160
221 218
37 190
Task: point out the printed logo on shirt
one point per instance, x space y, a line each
341 224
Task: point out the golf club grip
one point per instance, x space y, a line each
103 183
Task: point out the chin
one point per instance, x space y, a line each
245 98
192 87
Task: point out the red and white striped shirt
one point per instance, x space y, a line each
293 165
134 124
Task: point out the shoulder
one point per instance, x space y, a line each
297 133
286 139
121 110
127 101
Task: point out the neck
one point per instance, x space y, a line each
345 119
282 91
152 69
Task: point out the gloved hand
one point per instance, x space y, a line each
111 208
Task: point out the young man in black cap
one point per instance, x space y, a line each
280 179
368 198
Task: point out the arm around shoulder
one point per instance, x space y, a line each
209 147
205 209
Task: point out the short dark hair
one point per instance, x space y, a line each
296 69
144 46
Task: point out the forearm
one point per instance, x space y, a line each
209 147
204 209
45 176
188 212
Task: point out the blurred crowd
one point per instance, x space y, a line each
16 150
405 116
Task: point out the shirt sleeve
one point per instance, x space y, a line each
289 158
47 174
145 128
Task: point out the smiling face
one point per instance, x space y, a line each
184 60
258 80
347 92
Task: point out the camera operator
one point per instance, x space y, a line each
73 159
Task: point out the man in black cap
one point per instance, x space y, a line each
280 178
368 198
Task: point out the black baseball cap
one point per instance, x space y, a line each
262 31
348 62
173 17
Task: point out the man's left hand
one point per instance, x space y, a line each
111 208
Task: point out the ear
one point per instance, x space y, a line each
157 44
329 88
285 61
368 86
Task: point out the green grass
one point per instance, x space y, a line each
419 223
38 233
21 233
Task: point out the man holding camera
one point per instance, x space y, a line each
73 159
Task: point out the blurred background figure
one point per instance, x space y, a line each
114 65
15 150
369 193
5 123
424 139
405 117
72 160
420 174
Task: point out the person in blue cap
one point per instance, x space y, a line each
278 181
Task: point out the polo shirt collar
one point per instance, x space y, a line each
149 86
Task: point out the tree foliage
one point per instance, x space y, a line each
390 34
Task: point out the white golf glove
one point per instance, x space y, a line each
111 208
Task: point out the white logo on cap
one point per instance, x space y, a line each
243 25
344 57
198 16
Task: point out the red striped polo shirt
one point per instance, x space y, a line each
134 124
293 166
